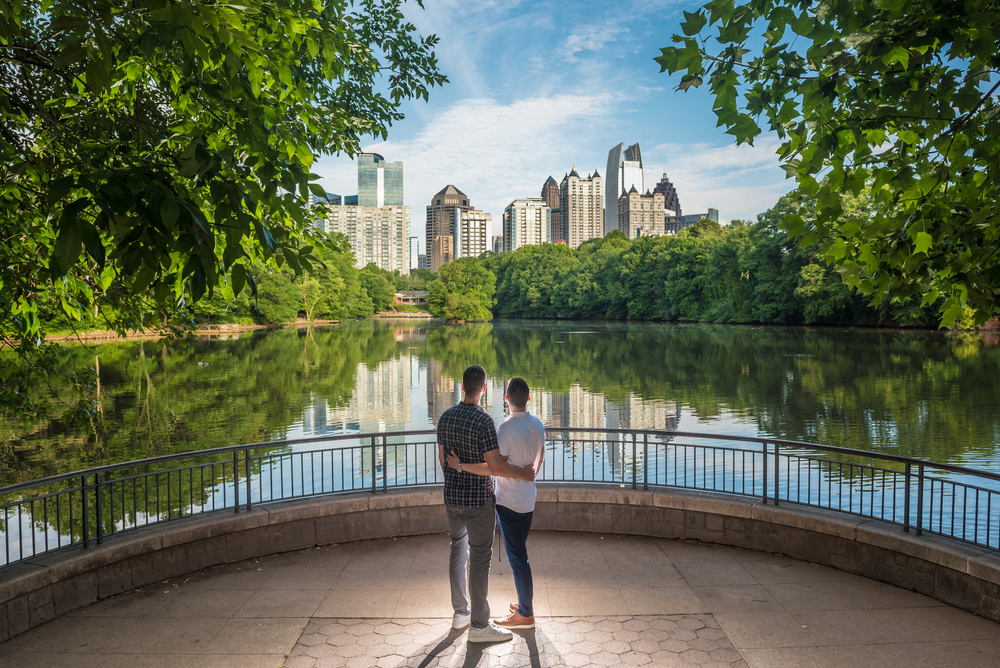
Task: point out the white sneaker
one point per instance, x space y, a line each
460 621
489 633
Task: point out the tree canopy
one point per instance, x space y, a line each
892 97
153 152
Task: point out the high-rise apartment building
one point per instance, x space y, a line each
581 201
380 183
526 222
413 253
445 209
377 234
671 202
497 243
471 233
624 171
422 261
641 215
550 193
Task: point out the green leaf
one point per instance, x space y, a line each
92 242
239 278
923 242
66 252
693 23
60 188
98 76
143 279
170 210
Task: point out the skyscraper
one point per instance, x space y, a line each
581 202
670 200
445 209
413 253
550 193
380 183
470 237
377 234
526 222
624 171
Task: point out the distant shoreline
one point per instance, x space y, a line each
224 329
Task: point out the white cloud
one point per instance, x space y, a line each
591 37
739 181
492 152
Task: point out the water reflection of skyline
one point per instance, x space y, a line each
410 392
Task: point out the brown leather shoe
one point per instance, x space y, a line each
515 621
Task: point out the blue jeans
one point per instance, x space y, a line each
514 528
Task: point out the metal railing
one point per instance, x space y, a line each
84 507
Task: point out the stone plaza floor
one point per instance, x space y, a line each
599 601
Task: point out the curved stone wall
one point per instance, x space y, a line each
35 591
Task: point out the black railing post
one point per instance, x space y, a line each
385 460
645 460
920 499
236 480
374 477
777 477
85 516
249 497
100 510
764 469
633 460
906 502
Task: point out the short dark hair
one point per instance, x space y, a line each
517 392
473 379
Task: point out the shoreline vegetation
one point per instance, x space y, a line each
749 273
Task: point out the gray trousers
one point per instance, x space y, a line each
471 532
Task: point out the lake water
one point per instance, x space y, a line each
923 394
928 395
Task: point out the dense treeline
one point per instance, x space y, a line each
334 290
745 272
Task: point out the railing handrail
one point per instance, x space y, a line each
10 489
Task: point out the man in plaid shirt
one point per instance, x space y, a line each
469 432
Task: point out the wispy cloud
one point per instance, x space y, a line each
591 37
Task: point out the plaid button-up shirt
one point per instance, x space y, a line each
470 432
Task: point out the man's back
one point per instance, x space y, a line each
470 432
521 437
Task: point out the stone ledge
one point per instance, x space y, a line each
49 585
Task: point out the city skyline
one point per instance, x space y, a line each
524 114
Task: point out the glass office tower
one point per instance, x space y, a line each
624 171
380 183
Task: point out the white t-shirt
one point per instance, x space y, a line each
521 437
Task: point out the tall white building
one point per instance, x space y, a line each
377 234
470 238
413 253
581 204
624 173
526 222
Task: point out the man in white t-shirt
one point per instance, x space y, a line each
522 443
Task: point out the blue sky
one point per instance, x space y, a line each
538 87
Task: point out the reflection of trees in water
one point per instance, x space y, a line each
918 394
915 393
245 391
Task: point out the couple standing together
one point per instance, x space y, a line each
473 451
